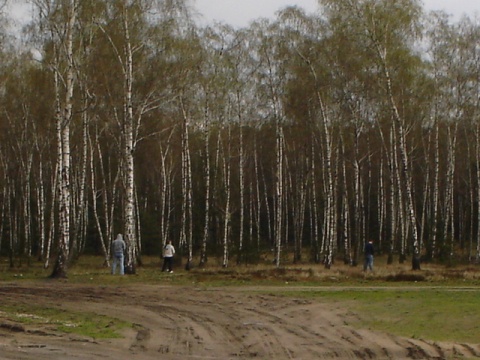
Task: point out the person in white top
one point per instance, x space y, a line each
168 252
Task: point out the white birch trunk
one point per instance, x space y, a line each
477 144
382 204
138 227
298 191
257 192
128 151
449 226
40 190
358 215
186 232
404 156
426 195
330 191
394 204
314 210
267 208
3 207
189 208
80 204
227 177
166 191
27 217
63 134
183 220
11 224
279 193
241 179
94 191
52 223
206 176
347 244
399 198
215 191
436 192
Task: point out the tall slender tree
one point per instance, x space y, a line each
58 20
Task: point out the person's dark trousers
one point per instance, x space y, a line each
167 263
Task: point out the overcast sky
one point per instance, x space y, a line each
239 13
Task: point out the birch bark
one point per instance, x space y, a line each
63 120
128 151
206 176
227 215
477 148
186 230
241 178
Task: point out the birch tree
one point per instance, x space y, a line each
58 20
270 77
454 55
270 138
126 28
324 124
387 28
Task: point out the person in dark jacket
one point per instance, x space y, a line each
369 250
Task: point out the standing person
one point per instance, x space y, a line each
168 252
118 250
369 250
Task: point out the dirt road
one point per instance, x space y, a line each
193 323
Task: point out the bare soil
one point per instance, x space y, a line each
174 322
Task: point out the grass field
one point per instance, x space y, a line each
436 303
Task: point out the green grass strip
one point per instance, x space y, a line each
83 324
438 314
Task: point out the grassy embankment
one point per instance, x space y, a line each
436 303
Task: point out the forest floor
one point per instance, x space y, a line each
181 321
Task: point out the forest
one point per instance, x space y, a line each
302 136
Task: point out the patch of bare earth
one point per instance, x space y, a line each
192 323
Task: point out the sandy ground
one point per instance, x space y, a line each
192 323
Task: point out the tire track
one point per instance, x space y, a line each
192 323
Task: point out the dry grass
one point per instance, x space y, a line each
339 273
91 268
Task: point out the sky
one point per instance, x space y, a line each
239 13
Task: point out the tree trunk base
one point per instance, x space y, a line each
390 259
60 269
130 270
416 263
